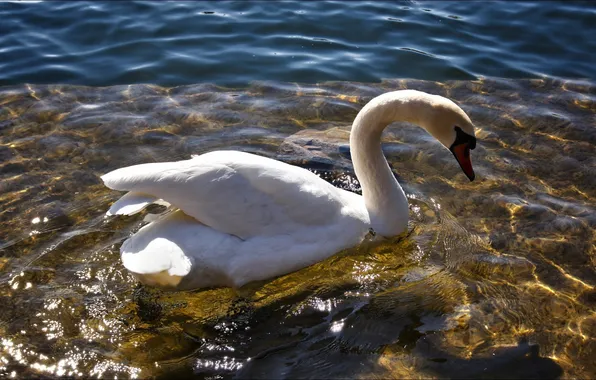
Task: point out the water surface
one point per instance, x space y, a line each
495 277
104 43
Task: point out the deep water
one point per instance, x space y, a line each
232 43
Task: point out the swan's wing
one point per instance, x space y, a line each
237 193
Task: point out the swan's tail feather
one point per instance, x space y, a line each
132 203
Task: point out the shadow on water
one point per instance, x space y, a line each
495 278
390 335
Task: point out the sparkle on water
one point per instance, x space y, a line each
495 278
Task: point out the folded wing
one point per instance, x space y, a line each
233 192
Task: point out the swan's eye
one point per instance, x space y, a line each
461 150
462 137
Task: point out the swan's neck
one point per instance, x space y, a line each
383 196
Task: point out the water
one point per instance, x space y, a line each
495 277
233 43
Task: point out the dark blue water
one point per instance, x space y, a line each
232 43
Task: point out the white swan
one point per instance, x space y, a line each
240 217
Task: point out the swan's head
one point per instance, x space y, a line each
449 124
441 117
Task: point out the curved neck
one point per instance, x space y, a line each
383 196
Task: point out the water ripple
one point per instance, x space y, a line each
232 43
494 279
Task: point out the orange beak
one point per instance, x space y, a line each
462 155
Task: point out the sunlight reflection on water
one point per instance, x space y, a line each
497 274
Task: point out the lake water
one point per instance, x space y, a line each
496 277
233 43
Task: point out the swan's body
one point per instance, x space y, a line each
261 218
240 217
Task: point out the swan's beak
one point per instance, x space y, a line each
462 155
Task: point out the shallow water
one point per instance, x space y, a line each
104 43
495 278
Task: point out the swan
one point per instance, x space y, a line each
236 217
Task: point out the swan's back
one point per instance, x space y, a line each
240 193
